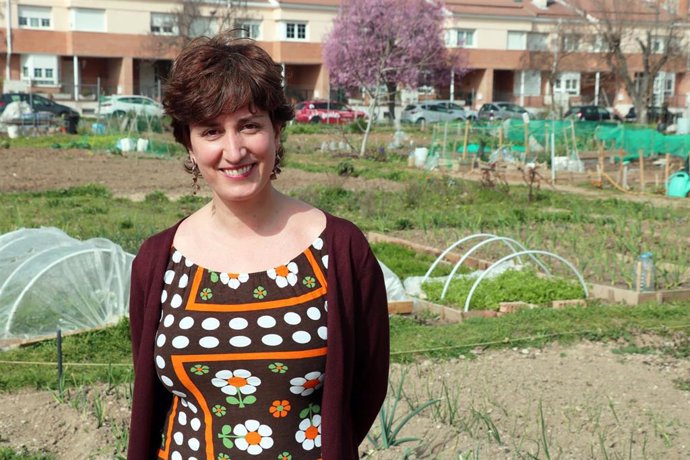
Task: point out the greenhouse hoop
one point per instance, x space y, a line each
518 254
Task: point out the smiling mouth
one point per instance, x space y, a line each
237 172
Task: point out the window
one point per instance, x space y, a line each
201 25
35 17
599 44
527 83
658 45
163 24
40 69
459 38
250 29
517 40
88 20
537 41
571 42
567 83
295 31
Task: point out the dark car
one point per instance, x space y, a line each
43 104
655 114
590 113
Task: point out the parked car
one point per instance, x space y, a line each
432 112
120 105
590 113
501 111
40 103
329 112
459 111
655 114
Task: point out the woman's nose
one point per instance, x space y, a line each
233 147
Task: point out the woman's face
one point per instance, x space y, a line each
236 153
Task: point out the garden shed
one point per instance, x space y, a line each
49 280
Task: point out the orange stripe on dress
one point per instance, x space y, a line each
193 305
180 360
165 452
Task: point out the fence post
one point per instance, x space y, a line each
641 158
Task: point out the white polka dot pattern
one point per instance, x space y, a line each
301 337
209 342
168 321
184 280
160 362
169 277
160 341
266 321
272 340
210 324
240 341
178 438
176 456
182 418
186 323
195 424
176 301
323 333
314 313
164 296
292 318
166 381
180 342
177 257
193 444
238 324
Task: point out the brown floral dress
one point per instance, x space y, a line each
244 355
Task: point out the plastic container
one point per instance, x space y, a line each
644 273
420 154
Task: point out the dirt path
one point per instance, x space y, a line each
594 403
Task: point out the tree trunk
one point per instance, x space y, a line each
391 87
372 111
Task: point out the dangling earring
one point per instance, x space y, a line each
276 167
195 178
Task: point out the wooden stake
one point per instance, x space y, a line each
466 139
526 140
667 169
620 166
600 162
641 153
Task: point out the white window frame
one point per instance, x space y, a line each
250 28
207 23
567 83
35 17
460 38
95 20
516 40
664 87
294 27
658 44
598 44
36 67
164 24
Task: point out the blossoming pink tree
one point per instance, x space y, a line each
379 45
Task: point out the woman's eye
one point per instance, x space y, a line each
209 132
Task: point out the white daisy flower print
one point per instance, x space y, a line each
234 280
284 274
238 381
309 434
304 386
253 437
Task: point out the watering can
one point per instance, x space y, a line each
678 184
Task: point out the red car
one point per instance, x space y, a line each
326 112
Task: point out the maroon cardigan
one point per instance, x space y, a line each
358 343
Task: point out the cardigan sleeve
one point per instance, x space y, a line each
372 343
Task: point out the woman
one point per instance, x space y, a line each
259 323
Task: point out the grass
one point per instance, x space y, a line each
10 454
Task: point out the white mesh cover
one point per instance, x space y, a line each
48 279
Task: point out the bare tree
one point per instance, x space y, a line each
639 40
196 18
555 51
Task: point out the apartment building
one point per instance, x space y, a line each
75 49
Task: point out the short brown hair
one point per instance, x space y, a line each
217 75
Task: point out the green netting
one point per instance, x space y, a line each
569 136
634 141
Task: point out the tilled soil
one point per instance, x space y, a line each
575 402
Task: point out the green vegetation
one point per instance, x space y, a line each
8 454
509 286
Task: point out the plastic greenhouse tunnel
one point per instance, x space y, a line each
49 280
